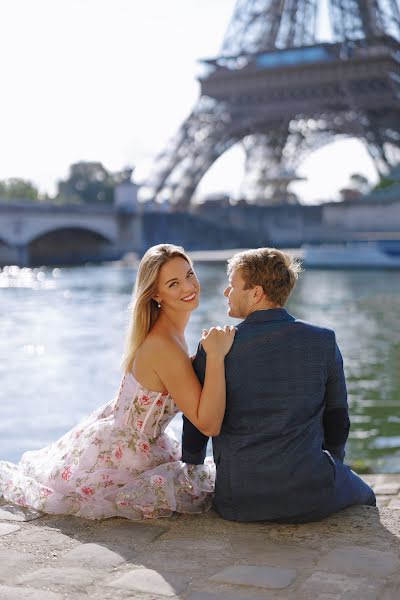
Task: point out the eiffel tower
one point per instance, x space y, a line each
282 93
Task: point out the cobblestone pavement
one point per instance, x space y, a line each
353 555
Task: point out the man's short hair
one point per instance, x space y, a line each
275 271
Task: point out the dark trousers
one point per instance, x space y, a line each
349 490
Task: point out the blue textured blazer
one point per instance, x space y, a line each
286 403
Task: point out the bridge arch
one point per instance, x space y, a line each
69 245
55 221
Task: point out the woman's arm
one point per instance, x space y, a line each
204 407
194 442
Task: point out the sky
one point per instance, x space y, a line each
112 80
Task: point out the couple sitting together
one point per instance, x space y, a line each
271 392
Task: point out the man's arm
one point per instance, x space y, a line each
336 420
194 443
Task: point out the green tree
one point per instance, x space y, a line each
87 182
91 183
18 189
384 183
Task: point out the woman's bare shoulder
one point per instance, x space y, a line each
156 350
158 342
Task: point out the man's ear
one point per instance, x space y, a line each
258 293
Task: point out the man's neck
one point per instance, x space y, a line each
264 306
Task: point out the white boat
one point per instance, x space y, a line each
352 255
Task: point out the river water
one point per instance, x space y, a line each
62 335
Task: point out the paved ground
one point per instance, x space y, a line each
354 555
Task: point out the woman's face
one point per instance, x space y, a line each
178 287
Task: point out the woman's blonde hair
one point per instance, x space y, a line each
144 309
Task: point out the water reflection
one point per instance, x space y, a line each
63 334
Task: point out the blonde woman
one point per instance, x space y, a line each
120 461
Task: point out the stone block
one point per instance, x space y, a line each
152 582
323 585
391 591
357 560
259 550
390 488
179 563
124 531
46 537
394 503
190 554
72 578
8 592
12 512
97 556
6 528
382 501
265 577
13 563
190 546
70 525
213 596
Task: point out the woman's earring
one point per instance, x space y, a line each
159 305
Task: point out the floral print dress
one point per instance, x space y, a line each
119 461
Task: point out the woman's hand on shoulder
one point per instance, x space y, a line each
217 341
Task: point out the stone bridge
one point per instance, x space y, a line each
32 234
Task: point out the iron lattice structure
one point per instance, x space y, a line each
283 93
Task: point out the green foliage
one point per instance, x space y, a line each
87 183
390 180
90 183
18 189
385 183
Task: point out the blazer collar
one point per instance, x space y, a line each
270 314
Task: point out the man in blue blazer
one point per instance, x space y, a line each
279 455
